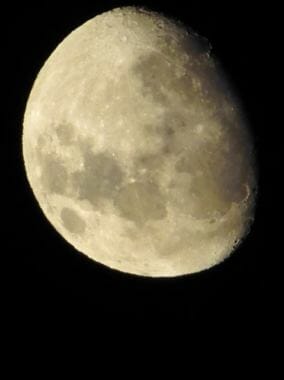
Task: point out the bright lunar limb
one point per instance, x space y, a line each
137 149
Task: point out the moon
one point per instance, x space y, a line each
137 149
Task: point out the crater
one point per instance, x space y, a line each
101 177
72 222
65 133
54 176
141 202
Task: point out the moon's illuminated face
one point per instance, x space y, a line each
137 150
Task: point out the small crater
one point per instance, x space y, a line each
101 177
54 176
141 202
72 222
65 133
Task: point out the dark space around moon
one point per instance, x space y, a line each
51 287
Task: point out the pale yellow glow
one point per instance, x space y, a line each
136 148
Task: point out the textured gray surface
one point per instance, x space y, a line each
136 147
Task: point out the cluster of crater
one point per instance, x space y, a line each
198 84
215 173
102 178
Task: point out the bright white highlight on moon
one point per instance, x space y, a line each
137 149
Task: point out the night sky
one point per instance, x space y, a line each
51 287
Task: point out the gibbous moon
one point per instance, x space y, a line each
137 149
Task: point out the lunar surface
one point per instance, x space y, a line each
137 149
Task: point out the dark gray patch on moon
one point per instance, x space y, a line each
160 78
101 177
195 45
72 222
169 127
65 133
161 83
54 176
148 167
202 87
188 163
153 71
149 162
218 176
141 202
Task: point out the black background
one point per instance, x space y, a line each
50 287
